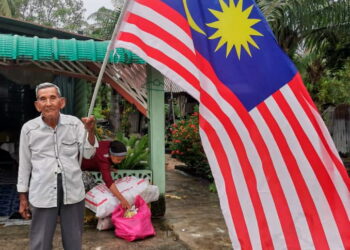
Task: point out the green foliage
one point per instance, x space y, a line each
118 4
304 23
104 96
103 22
98 113
103 100
187 147
334 88
5 8
212 187
64 14
137 156
126 110
103 133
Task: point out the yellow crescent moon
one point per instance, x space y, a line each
190 20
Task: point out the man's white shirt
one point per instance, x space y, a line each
45 152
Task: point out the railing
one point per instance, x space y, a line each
141 174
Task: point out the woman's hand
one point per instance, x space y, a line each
125 204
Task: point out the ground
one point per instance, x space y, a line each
16 237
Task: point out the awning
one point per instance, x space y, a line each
53 49
126 72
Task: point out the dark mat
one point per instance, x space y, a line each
8 174
8 200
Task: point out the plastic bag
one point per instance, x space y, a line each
137 227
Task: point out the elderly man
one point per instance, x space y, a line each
49 172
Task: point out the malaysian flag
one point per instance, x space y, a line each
280 180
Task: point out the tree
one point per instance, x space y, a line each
5 8
315 34
103 22
64 14
304 24
334 87
118 4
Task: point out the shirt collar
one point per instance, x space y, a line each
44 125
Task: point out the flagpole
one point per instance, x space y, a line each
102 70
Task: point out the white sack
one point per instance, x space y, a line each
105 223
150 194
101 200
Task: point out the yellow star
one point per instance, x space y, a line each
234 27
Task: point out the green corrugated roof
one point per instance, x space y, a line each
53 49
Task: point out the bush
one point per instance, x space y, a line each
187 147
335 88
103 133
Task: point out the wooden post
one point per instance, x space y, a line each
156 132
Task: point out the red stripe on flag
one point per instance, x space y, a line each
246 167
231 193
301 94
312 217
298 82
319 169
161 57
280 201
168 13
157 31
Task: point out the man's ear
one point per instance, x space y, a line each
37 106
63 102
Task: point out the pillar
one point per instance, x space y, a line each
156 132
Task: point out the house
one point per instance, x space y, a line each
31 54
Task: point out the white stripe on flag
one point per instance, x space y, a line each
164 69
164 23
254 159
316 192
318 146
220 185
154 41
284 177
238 176
325 131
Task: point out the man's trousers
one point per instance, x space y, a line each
44 222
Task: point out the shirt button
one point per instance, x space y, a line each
54 188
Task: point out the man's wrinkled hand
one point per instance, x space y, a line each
24 208
89 123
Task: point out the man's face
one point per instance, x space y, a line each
117 159
49 103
